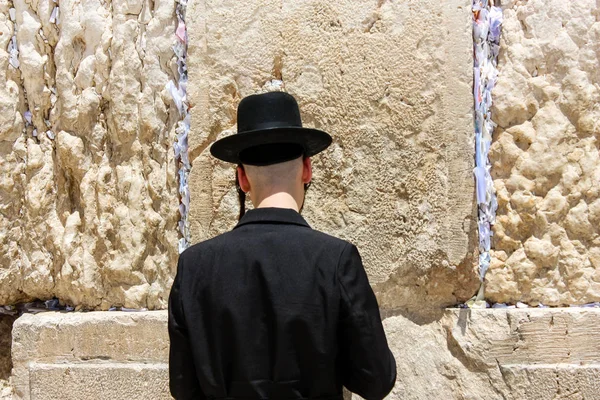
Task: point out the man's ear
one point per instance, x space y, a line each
306 170
243 179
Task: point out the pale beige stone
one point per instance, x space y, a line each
510 354
547 170
5 390
133 342
497 354
396 96
91 216
541 252
99 381
12 162
553 381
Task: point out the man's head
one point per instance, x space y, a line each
282 184
272 150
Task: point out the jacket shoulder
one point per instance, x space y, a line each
228 238
208 245
329 239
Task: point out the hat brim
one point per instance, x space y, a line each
229 148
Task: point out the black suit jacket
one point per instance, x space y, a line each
275 310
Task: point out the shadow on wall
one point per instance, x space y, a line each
6 323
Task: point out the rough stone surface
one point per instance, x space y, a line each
498 354
550 382
90 216
99 381
509 354
119 347
397 99
5 390
545 156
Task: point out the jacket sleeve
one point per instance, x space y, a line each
183 382
368 366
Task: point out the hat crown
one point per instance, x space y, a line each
268 111
269 131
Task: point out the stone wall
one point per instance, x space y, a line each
89 202
516 354
545 155
89 191
465 354
95 355
391 81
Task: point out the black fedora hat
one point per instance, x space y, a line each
269 131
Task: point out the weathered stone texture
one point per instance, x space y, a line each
391 81
114 355
498 354
91 216
99 381
516 354
555 381
545 155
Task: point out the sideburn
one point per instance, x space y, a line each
306 186
241 195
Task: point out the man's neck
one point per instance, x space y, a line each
279 200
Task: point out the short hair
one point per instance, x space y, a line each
277 174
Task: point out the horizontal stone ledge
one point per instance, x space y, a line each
55 352
497 354
525 336
593 368
552 381
113 381
505 336
97 335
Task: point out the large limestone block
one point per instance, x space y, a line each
58 355
89 203
516 354
554 381
545 156
391 81
99 381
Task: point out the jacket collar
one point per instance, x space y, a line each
272 215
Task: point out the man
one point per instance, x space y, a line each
274 309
